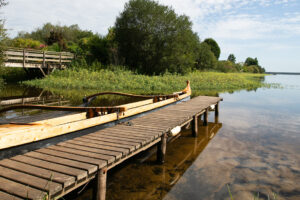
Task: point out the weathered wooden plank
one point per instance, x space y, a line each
6 196
42 184
21 190
79 174
129 135
107 158
99 135
83 159
117 155
134 136
106 143
64 179
124 151
134 144
71 163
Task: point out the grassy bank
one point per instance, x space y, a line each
127 81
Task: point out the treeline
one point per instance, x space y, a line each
147 37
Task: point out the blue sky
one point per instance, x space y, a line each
266 29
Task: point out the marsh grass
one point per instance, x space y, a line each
126 81
1 83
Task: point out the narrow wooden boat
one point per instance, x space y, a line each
15 134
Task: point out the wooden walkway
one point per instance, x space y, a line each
59 169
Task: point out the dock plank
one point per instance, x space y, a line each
79 174
39 172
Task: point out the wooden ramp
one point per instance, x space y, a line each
59 169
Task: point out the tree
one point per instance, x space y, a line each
231 58
251 61
205 57
153 39
214 47
2 34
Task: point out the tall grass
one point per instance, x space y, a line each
127 81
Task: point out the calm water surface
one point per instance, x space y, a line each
253 148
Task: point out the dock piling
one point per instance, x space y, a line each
205 120
99 190
161 149
217 110
195 126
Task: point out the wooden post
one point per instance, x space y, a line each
24 58
195 126
205 120
99 190
60 61
217 109
161 149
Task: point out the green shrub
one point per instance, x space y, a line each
26 43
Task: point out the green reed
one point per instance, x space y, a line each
127 81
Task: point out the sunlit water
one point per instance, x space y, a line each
252 150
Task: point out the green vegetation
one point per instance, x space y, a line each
153 39
147 38
119 79
214 47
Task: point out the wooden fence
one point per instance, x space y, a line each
29 58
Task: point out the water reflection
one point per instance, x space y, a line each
143 178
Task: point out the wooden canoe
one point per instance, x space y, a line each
15 134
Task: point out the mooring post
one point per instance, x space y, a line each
161 149
217 109
195 126
99 191
205 120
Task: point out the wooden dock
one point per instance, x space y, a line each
59 169
46 61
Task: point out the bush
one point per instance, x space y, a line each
26 43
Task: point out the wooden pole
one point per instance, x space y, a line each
99 191
217 109
205 120
24 58
60 61
195 126
161 149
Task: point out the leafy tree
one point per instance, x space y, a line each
214 47
231 58
2 33
153 39
205 57
251 61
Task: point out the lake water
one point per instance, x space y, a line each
251 149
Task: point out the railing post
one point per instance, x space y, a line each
24 58
60 60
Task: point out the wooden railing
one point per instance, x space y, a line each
29 58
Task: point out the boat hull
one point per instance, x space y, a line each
21 149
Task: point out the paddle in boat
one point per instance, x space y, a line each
16 134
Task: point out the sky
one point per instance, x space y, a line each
266 29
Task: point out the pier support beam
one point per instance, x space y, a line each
161 149
195 126
205 120
217 109
99 191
